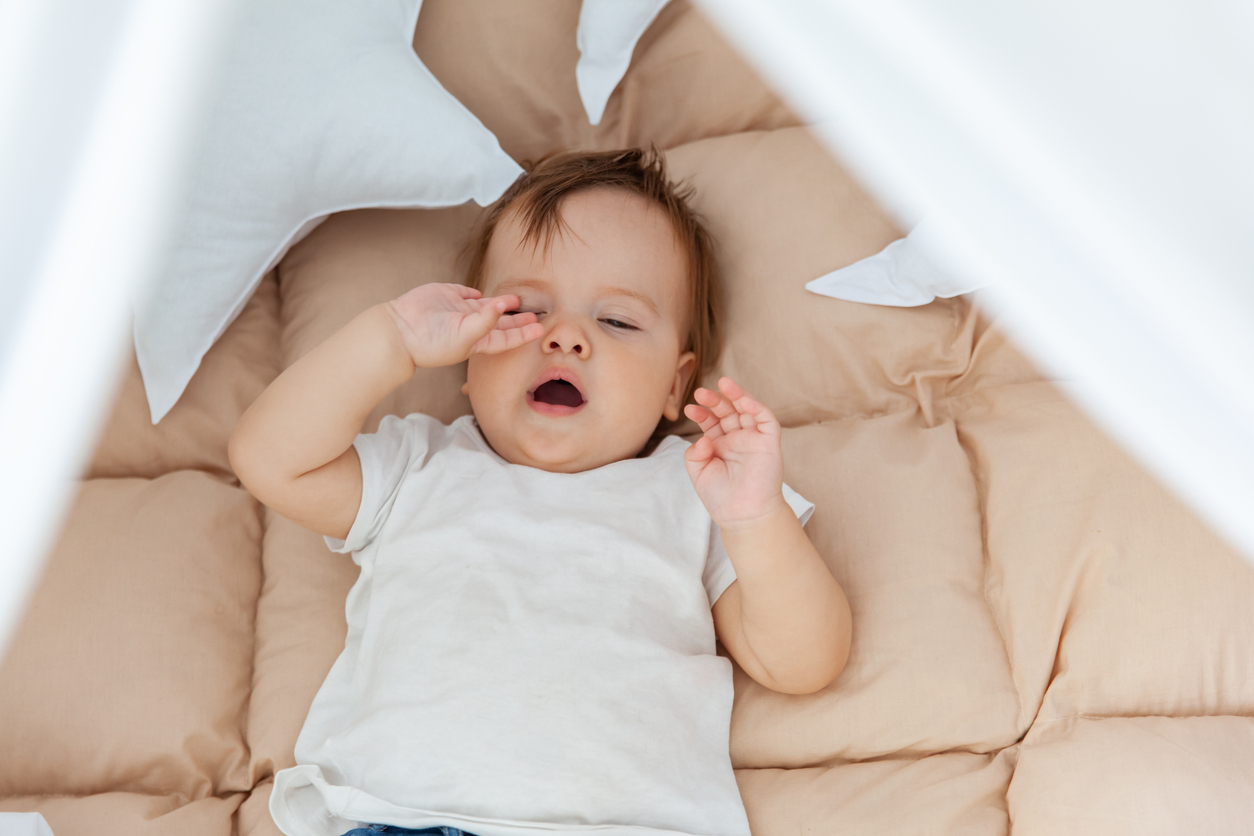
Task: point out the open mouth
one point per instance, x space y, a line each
556 396
558 393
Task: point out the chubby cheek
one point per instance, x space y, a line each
488 380
648 384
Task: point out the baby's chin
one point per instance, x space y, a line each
572 451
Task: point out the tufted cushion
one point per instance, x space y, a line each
128 814
130 671
1135 776
1111 593
951 793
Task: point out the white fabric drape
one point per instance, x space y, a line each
93 100
1089 159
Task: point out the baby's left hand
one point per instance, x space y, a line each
737 466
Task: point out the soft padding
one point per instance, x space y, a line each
1136 776
130 814
1114 598
955 793
131 669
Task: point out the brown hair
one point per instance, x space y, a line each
538 196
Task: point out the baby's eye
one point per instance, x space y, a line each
619 324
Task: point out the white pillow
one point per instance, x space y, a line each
24 824
906 273
319 106
607 35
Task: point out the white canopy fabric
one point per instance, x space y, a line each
1090 160
94 98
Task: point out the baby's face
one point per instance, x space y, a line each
611 291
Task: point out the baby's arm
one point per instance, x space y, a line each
293 447
784 619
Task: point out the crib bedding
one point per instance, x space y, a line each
148 603
1114 599
1044 639
954 792
132 814
1151 776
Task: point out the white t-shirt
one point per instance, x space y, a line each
527 652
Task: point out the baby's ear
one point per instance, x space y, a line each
684 369
466 388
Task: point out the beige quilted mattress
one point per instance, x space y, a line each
1045 640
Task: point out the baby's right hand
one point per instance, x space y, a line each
443 324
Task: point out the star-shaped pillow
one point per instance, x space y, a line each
316 106
606 36
908 272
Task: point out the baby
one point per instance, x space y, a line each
531 641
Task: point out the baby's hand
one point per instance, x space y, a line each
737 466
443 324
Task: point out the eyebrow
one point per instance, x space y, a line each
631 294
540 284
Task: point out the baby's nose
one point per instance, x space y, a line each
567 339
574 346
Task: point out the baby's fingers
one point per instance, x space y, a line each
482 315
502 303
706 420
517 320
498 339
751 412
701 415
698 455
478 317
725 411
718 405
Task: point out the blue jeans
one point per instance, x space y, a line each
375 829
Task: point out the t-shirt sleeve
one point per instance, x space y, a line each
719 572
400 447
